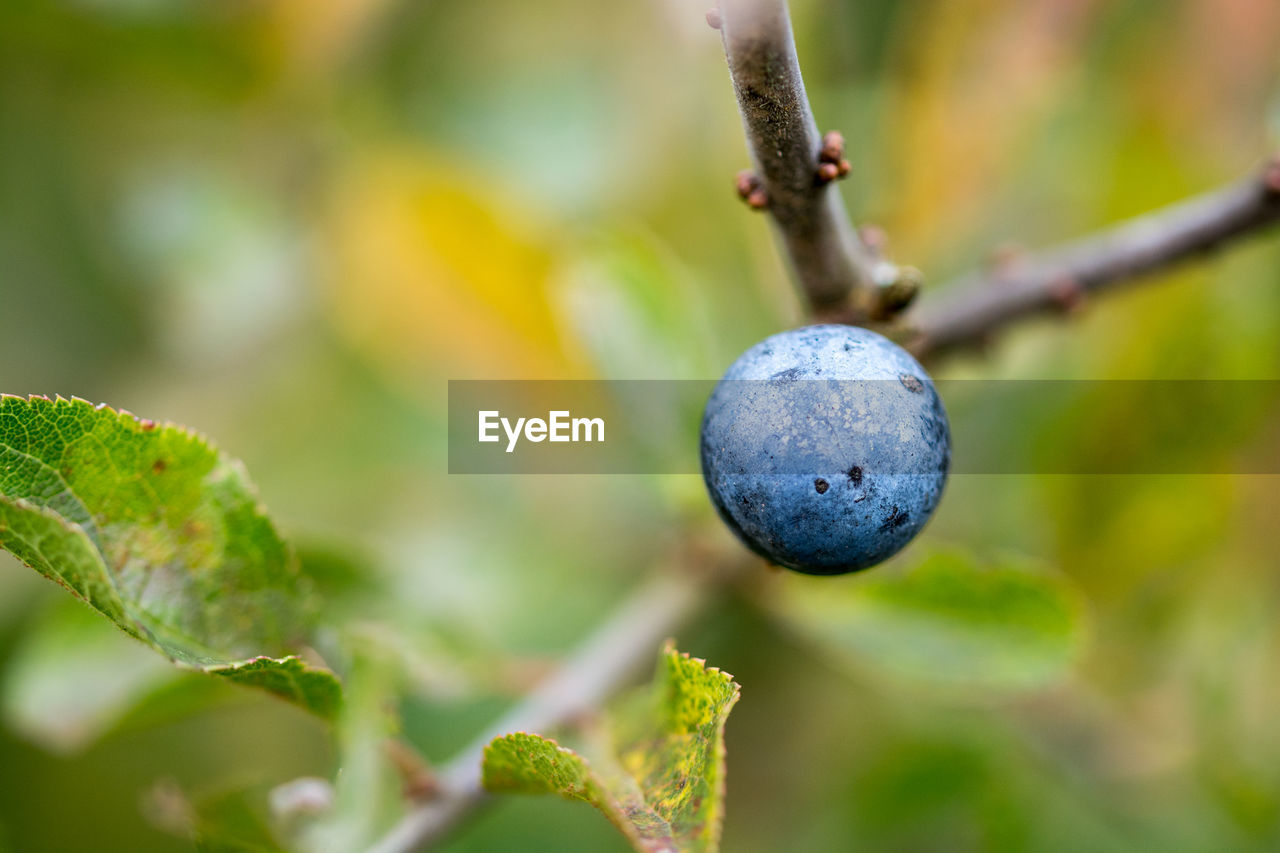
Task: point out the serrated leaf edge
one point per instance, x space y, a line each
126 621
600 800
721 754
141 425
609 807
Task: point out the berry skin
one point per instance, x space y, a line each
825 449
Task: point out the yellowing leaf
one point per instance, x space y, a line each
662 782
429 276
982 79
316 37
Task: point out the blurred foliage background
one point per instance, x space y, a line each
288 223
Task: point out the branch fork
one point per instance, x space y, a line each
845 278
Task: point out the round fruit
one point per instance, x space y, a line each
825 448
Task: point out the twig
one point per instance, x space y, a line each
840 277
835 270
603 662
1055 280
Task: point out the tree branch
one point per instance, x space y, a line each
1055 280
837 273
624 643
841 277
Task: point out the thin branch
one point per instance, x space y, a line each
980 304
624 643
837 273
841 277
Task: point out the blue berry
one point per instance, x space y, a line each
825 448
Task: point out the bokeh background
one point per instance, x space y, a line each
287 223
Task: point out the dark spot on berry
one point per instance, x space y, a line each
896 519
911 383
855 475
789 375
820 486
158 466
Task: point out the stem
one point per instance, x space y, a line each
840 277
603 662
830 263
982 303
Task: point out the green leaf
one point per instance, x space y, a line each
232 820
288 677
658 770
947 621
638 312
369 790
71 677
521 763
162 534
